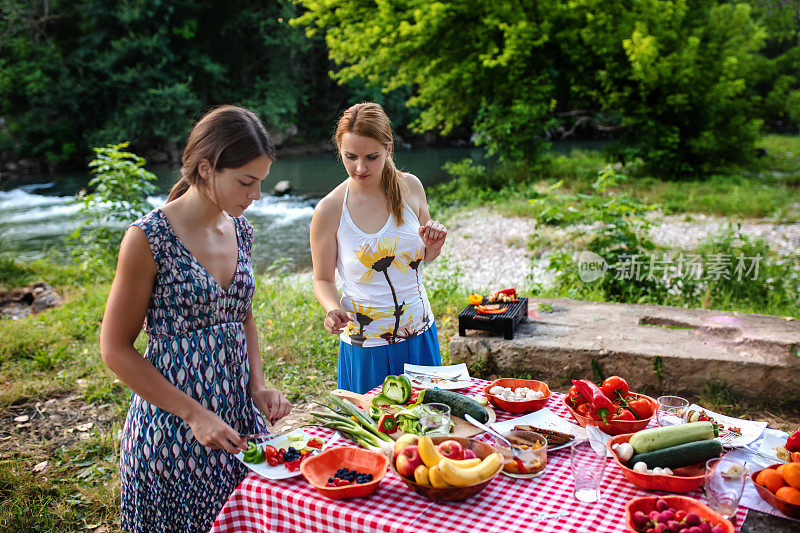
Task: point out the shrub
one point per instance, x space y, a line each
118 197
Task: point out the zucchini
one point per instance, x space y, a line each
680 455
652 439
459 404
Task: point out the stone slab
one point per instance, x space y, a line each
656 348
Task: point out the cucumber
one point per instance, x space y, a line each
680 455
649 440
459 404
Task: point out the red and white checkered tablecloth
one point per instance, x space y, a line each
542 504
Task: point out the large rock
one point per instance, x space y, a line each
282 188
656 348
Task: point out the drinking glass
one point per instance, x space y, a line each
588 462
435 419
670 410
724 484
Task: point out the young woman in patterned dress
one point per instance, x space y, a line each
185 271
375 229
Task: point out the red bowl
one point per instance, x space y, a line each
527 406
317 469
616 427
679 503
789 509
686 479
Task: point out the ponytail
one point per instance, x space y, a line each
392 182
178 189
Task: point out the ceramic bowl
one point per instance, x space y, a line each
686 479
679 503
789 509
452 494
615 427
319 468
527 406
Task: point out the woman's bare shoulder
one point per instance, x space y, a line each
329 209
416 192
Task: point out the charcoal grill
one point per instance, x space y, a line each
506 322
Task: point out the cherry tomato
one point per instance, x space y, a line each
574 397
625 414
614 384
315 443
273 461
270 451
641 407
583 409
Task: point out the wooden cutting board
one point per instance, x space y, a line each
461 428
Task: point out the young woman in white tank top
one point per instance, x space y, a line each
375 230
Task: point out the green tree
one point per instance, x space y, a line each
675 78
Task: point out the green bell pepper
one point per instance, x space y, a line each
397 388
381 400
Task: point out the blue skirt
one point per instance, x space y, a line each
362 369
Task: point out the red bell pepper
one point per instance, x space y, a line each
793 442
600 407
387 423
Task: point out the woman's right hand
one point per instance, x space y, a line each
336 320
211 431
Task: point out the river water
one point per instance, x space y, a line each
37 215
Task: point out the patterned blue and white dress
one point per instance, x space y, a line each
170 482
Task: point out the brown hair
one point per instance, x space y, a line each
229 137
368 119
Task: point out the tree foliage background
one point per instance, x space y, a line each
684 86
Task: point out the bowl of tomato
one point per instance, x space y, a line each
621 423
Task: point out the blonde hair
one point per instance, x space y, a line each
228 137
368 119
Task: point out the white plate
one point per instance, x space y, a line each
449 371
545 419
750 430
280 471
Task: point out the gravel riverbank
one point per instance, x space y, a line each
487 251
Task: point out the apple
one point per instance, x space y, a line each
452 449
470 454
408 461
406 439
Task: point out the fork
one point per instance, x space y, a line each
421 375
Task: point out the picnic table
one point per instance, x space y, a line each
541 504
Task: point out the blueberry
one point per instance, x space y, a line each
369 477
330 480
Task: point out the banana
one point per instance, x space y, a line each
436 478
421 475
461 477
428 452
466 463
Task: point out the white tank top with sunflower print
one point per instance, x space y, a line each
381 283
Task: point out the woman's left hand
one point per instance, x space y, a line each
272 403
433 235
